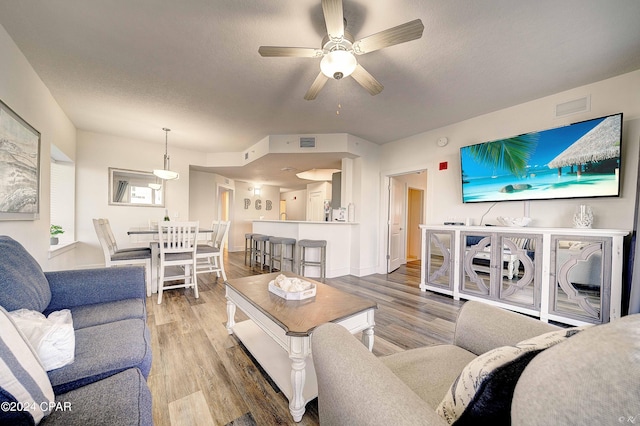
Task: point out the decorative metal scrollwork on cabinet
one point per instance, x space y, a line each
439 260
562 274
582 277
502 267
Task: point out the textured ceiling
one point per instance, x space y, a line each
129 68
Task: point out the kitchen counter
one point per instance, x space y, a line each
335 222
339 237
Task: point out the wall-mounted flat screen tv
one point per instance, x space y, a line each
580 160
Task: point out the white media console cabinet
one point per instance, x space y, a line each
569 275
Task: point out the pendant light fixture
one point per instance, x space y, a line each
155 185
166 173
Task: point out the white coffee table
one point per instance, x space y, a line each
279 331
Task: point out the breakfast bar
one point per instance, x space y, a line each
339 237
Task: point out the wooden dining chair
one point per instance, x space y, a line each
178 243
114 256
211 254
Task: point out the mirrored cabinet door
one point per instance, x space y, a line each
439 256
572 276
519 283
502 267
582 277
477 268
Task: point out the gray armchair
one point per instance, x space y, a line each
591 378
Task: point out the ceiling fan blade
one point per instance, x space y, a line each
298 52
402 33
366 80
333 17
315 88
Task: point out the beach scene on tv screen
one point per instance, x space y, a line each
579 160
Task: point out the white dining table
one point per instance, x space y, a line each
145 233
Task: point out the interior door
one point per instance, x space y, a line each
316 206
396 222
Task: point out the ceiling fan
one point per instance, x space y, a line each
339 50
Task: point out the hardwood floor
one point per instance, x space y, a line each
202 376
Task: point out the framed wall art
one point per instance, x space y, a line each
19 167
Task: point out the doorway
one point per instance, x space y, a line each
225 212
223 206
283 210
415 217
406 210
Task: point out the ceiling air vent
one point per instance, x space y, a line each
309 142
573 107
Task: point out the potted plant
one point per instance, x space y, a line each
54 231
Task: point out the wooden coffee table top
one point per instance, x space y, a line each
299 317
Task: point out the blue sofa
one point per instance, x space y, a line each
106 383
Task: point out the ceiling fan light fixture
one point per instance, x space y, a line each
338 64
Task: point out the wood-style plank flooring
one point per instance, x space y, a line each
202 376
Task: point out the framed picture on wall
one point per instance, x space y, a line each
19 167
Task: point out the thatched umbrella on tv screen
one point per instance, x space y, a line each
599 144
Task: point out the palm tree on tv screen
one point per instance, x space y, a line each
510 154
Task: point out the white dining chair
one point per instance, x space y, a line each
210 255
206 248
178 243
113 256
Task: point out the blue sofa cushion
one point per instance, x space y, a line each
104 313
104 350
122 399
81 287
22 282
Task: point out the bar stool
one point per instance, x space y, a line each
278 251
248 245
322 263
260 250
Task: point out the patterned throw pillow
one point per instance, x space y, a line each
483 391
25 389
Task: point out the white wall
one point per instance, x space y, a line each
204 204
296 202
203 198
361 186
249 207
619 94
95 154
23 91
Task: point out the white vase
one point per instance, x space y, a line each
583 217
